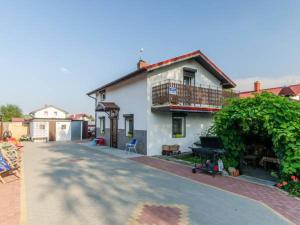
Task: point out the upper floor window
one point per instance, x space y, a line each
102 96
189 76
42 126
63 126
55 113
129 126
45 113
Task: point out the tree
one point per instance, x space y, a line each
266 116
9 111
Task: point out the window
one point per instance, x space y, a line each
55 113
46 113
42 127
63 126
102 124
102 96
189 76
129 125
178 126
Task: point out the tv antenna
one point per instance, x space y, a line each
141 53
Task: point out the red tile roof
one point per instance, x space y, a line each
197 55
18 120
276 91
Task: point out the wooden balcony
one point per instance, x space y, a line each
175 96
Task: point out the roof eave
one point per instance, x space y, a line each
128 76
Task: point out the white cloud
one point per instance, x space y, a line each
246 84
64 70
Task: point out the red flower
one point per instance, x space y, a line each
279 185
284 183
295 179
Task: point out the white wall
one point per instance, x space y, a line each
297 97
160 131
36 132
63 134
159 125
175 72
131 97
51 113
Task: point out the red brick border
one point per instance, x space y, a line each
272 197
10 201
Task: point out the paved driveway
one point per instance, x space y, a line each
67 183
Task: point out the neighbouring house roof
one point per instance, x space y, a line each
106 106
48 106
291 90
18 120
197 55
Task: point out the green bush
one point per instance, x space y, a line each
265 115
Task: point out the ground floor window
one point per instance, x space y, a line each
178 126
129 126
102 125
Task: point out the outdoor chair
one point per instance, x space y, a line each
131 145
5 168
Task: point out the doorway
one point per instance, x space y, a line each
52 130
188 83
114 132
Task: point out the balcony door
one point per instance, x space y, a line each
188 83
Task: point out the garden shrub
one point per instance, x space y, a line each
268 116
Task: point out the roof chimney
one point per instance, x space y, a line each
257 86
141 64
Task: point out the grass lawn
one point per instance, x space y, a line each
189 158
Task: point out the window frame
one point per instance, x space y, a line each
102 95
63 126
183 132
102 118
42 126
190 74
129 117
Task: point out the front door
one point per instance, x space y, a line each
114 132
52 131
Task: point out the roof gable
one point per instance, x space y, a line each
197 55
46 107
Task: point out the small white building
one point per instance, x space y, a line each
169 102
50 123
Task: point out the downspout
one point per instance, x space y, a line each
95 113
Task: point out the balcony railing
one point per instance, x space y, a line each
176 93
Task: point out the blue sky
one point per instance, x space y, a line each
53 52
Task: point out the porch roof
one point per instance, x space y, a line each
106 106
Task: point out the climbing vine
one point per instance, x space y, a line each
265 115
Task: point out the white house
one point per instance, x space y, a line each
50 123
169 102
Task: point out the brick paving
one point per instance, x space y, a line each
10 201
272 197
151 213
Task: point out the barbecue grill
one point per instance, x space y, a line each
210 149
